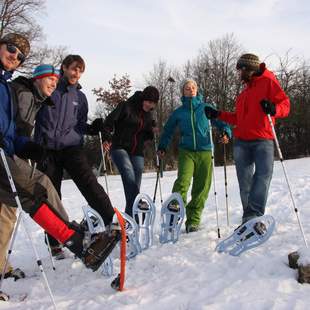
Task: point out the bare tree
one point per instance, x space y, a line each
108 99
20 16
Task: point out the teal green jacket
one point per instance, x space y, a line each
193 125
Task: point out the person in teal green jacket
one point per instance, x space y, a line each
195 151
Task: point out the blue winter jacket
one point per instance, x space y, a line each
64 124
12 142
193 124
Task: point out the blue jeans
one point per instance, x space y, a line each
254 165
130 168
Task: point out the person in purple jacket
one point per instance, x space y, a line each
60 130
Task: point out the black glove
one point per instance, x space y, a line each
212 112
33 151
95 127
268 107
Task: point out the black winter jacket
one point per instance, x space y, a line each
131 125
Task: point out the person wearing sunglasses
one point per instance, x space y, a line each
36 192
125 131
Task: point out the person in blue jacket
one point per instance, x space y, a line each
60 130
37 195
195 156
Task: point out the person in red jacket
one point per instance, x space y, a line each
253 146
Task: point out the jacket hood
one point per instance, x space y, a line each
22 82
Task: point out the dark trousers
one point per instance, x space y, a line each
130 168
74 161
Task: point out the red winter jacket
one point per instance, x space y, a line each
250 121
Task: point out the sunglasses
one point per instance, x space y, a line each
13 49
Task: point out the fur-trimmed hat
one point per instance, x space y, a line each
248 62
17 40
150 93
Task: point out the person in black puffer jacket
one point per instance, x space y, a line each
131 124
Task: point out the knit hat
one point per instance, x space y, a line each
42 71
150 93
185 81
248 62
17 40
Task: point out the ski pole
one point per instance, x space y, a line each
17 200
225 178
159 173
103 163
214 180
295 209
10 248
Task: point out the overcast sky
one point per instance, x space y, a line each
117 37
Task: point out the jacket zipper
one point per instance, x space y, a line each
135 140
193 124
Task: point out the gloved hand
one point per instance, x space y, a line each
161 153
212 113
33 151
96 126
268 107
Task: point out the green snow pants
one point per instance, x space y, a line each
196 165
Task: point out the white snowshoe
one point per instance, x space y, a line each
143 211
172 216
248 235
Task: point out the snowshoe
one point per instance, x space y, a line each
92 224
100 248
143 210
247 236
4 297
172 216
132 233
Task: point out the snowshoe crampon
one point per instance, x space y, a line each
172 216
4 297
143 211
93 224
247 236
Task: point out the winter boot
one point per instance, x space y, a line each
16 274
191 228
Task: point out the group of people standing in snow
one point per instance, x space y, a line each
52 104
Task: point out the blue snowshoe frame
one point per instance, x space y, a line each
171 221
132 233
246 236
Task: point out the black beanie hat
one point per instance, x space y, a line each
248 62
150 93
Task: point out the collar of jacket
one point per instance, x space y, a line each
5 75
63 85
195 101
136 100
262 72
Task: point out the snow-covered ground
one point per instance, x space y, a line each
186 275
